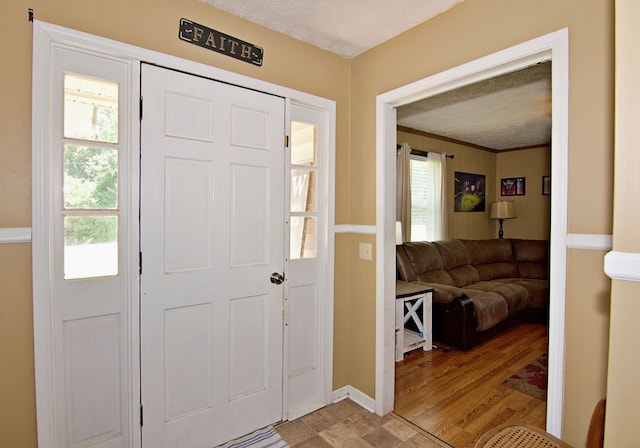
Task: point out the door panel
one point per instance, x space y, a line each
212 220
187 372
249 218
248 346
189 211
93 378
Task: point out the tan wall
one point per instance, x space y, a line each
341 311
469 31
587 343
361 364
469 225
17 415
153 25
533 210
623 387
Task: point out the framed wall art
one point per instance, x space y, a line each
469 192
512 186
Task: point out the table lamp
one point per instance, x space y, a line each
502 210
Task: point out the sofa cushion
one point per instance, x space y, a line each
493 271
515 295
531 257
443 293
456 262
490 308
452 253
491 258
533 270
488 251
426 263
464 275
538 290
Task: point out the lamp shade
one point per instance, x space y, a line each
398 233
502 210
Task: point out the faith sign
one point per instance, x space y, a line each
213 40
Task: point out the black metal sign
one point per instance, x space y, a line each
205 37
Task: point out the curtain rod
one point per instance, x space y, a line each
420 152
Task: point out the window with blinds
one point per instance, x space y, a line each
423 199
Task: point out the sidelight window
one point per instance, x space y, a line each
303 201
90 177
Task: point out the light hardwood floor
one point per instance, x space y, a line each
457 396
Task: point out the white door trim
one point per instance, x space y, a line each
46 35
550 46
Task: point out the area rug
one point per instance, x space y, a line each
532 379
263 438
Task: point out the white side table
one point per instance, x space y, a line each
409 297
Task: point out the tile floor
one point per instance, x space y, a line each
347 425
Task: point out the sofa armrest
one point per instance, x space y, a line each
403 267
454 323
444 293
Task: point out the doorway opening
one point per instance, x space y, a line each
469 386
554 47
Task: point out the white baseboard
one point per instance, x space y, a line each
356 396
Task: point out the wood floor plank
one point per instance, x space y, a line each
457 396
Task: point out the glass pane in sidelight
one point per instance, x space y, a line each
303 144
90 246
90 178
303 237
90 109
303 190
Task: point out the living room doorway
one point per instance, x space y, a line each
497 127
553 46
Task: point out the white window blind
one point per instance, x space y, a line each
426 197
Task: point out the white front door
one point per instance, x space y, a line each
212 220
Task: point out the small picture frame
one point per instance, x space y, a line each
512 186
546 185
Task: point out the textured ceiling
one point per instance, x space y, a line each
508 111
344 27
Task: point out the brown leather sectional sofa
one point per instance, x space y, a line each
480 286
